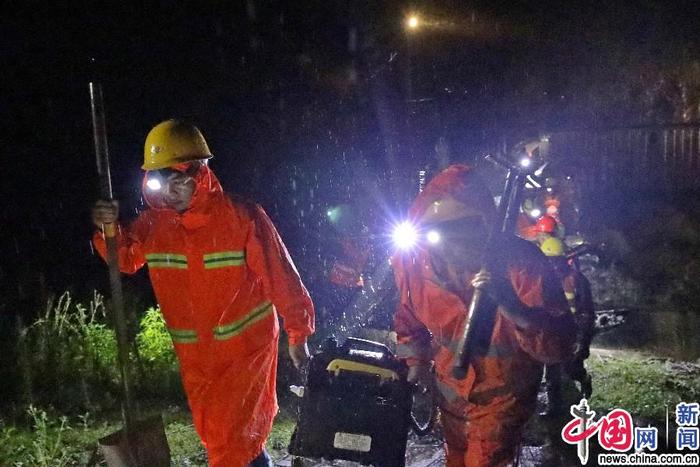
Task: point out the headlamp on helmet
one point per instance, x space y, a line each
154 183
407 235
433 236
157 179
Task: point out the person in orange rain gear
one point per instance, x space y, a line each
546 227
577 290
551 206
482 415
525 228
347 270
221 274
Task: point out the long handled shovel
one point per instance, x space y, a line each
478 323
140 443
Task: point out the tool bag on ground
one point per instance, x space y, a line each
356 405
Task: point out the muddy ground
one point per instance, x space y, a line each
542 445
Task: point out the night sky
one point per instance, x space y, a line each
304 104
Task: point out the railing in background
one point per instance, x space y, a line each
663 158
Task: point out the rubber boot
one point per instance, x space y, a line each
552 391
587 386
263 460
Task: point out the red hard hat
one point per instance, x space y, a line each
546 224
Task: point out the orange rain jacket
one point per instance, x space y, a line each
483 414
577 290
221 273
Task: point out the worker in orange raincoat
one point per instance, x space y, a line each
221 275
482 415
577 290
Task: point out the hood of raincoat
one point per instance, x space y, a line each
460 183
207 187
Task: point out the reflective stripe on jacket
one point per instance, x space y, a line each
577 285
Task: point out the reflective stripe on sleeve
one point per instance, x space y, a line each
258 313
183 336
571 299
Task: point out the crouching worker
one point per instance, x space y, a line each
221 274
482 415
577 290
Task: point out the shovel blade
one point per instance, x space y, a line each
146 445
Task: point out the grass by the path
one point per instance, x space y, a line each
643 385
53 443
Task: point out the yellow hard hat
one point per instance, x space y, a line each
552 247
173 142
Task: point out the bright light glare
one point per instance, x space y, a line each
405 236
433 237
154 184
525 162
412 22
535 213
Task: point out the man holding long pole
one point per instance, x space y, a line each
221 274
525 321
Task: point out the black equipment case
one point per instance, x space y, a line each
356 405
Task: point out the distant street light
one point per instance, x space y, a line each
413 22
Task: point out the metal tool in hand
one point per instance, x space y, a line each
508 210
140 443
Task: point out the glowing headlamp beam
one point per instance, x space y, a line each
154 184
405 236
433 237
